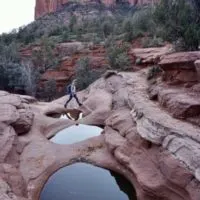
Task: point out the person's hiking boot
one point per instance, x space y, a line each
80 104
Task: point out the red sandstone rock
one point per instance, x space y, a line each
149 55
24 122
182 60
179 67
71 52
13 177
179 103
6 193
7 138
48 6
140 140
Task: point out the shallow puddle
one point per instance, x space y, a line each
75 134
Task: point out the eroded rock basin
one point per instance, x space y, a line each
75 134
87 182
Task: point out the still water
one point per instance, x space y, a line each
82 181
75 134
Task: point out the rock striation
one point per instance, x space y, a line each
149 145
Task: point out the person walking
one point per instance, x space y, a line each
71 90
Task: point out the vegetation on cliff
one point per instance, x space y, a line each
177 22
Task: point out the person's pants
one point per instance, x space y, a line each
71 97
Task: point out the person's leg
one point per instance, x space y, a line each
75 96
70 98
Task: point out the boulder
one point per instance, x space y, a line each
11 99
24 122
9 113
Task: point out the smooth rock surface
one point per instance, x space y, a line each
141 140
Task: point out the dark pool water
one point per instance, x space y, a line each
75 134
82 181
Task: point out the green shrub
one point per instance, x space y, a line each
50 91
153 72
15 76
44 58
118 56
65 36
72 23
152 42
128 30
178 20
142 20
107 28
138 61
85 75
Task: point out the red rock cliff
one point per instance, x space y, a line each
48 6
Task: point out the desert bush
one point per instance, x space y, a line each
72 23
107 28
153 72
44 57
152 42
142 20
65 36
85 75
118 56
178 20
127 27
50 91
15 77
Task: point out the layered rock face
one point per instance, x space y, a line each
49 6
72 52
158 153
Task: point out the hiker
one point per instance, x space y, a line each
71 90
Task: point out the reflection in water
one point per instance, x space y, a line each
63 116
75 134
124 185
85 182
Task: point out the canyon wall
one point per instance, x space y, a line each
49 6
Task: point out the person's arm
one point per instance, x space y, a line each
73 89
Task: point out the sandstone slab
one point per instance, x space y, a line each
184 60
150 55
179 103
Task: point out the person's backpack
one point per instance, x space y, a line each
68 91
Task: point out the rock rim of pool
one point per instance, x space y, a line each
158 154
